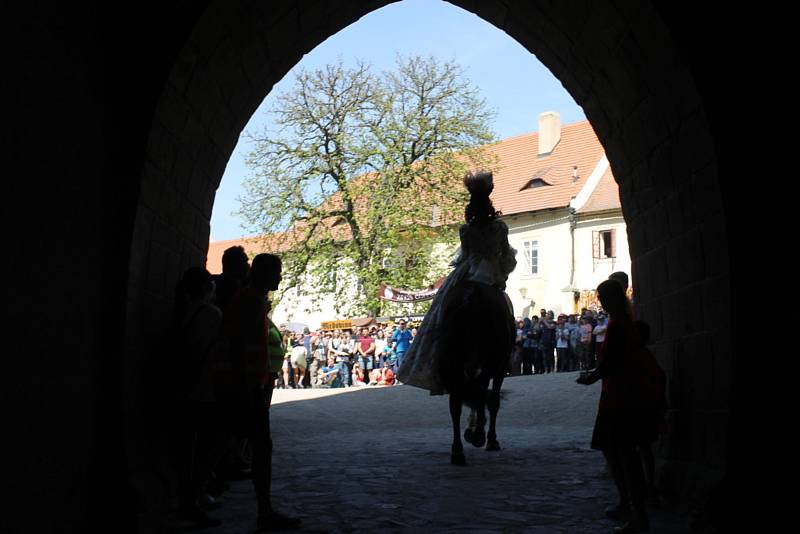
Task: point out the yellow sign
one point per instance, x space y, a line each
337 325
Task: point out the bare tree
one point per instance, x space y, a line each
363 168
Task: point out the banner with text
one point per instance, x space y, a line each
404 295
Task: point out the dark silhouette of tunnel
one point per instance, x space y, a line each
121 132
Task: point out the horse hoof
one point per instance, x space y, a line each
478 438
457 458
468 435
493 445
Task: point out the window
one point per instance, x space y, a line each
604 244
537 180
531 251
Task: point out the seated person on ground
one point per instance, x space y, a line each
387 375
329 375
358 375
375 376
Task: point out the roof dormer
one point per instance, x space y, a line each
537 180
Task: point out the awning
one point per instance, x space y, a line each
361 322
347 324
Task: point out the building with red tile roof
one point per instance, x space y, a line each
558 195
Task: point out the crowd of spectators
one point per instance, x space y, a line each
369 356
546 343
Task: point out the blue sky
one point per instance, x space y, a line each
513 82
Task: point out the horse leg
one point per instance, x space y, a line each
471 425
479 431
493 402
457 449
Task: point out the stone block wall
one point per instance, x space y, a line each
141 114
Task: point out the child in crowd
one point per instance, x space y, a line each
358 375
387 375
388 355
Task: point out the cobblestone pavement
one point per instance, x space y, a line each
377 460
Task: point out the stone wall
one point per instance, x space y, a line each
122 127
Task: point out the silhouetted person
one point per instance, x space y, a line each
655 387
235 267
257 354
621 423
197 325
622 278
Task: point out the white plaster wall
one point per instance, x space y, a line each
299 308
545 289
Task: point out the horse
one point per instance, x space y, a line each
478 347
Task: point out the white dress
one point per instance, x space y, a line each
485 257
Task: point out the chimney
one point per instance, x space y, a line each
549 132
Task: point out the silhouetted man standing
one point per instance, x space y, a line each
257 354
235 267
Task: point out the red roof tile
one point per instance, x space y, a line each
252 246
519 163
604 197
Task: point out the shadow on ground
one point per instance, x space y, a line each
377 459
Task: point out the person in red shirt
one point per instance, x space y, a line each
387 375
366 350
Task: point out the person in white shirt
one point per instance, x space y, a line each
600 333
380 344
344 352
562 345
299 360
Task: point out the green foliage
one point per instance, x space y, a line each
346 186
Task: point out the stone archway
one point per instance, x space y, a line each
619 63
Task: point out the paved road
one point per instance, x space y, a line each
377 459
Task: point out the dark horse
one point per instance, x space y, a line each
478 348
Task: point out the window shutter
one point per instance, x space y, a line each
613 243
595 244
